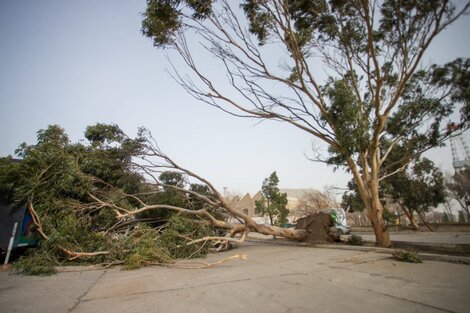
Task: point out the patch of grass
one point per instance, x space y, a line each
406 256
355 240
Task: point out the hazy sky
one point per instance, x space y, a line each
76 63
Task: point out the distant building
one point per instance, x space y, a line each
247 205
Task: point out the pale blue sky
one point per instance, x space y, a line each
76 63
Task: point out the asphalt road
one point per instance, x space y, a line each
272 279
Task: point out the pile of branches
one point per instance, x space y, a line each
118 201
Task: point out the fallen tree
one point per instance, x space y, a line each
154 161
119 201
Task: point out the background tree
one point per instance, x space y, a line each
459 189
232 197
351 199
448 210
314 202
376 93
446 218
274 202
462 218
417 189
352 202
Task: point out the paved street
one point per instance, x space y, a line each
272 279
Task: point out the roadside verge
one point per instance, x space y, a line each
424 254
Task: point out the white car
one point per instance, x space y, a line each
343 229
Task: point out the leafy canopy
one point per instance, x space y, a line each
273 204
459 189
372 94
377 93
419 188
63 183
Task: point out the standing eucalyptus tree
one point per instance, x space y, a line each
349 73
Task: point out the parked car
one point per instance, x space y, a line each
343 229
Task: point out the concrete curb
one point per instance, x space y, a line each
458 249
422 255
279 242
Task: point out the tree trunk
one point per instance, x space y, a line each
292 234
464 206
413 224
468 212
410 216
423 220
382 236
368 186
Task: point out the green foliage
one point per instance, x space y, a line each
355 240
149 246
172 179
171 196
35 263
9 178
57 176
60 178
406 256
420 107
161 21
103 134
162 18
377 96
459 189
351 200
260 22
455 76
352 126
109 155
76 234
418 188
274 202
144 249
103 219
388 216
178 232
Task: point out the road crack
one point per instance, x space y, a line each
411 301
80 298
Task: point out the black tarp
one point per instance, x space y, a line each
26 235
8 217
